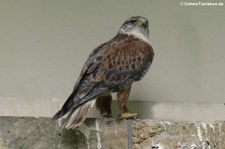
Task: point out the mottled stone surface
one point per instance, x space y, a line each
178 135
113 134
41 133
24 133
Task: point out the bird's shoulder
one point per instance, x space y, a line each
122 54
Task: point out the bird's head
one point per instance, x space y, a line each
136 25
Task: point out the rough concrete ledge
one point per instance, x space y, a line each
41 133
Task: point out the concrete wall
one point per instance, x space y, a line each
43 45
164 111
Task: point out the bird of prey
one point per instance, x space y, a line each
111 67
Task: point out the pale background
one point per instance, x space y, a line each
44 43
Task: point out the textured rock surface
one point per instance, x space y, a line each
41 133
182 135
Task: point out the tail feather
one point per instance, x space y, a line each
75 109
76 117
66 107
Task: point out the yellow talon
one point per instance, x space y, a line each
128 116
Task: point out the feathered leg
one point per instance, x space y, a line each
103 104
122 97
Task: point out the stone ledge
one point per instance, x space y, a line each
41 133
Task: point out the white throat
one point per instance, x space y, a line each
139 33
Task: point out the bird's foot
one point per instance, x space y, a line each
127 116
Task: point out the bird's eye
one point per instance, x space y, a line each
132 21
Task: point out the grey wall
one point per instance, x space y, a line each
44 43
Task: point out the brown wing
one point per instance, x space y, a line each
127 61
110 67
84 84
123 60
92 62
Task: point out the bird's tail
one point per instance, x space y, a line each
73 113
75 118
75 109
65 108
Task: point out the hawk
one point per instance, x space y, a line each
111 67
